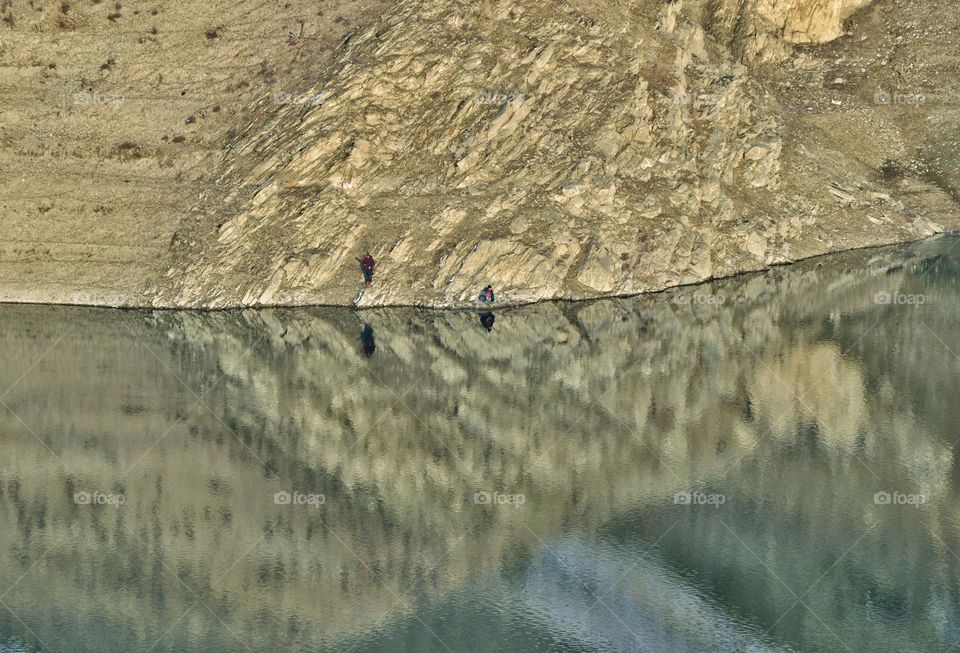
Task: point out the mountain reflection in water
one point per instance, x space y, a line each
733 467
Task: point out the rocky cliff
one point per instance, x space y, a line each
565 149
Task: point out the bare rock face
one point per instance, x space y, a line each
803 21
552 152
561 149
533 148
765 29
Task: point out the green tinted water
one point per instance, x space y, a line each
762 464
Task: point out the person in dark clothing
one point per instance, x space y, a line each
487 319
368 341
486 295
366 266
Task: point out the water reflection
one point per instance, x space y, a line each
367 340
797 396
487 320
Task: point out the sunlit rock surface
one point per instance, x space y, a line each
557 150
561 149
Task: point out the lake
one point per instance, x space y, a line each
764 463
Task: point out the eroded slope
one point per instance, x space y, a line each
212 156
554 150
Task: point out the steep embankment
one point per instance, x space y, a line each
561 150
113 118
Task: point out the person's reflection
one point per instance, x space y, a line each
368 341
487 319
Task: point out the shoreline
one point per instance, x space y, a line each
465 306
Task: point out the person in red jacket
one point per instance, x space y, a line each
486 295
366 266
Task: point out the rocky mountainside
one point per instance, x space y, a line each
113 117
563 149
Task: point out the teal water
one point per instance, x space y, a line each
760 464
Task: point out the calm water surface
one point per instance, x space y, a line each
763 464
